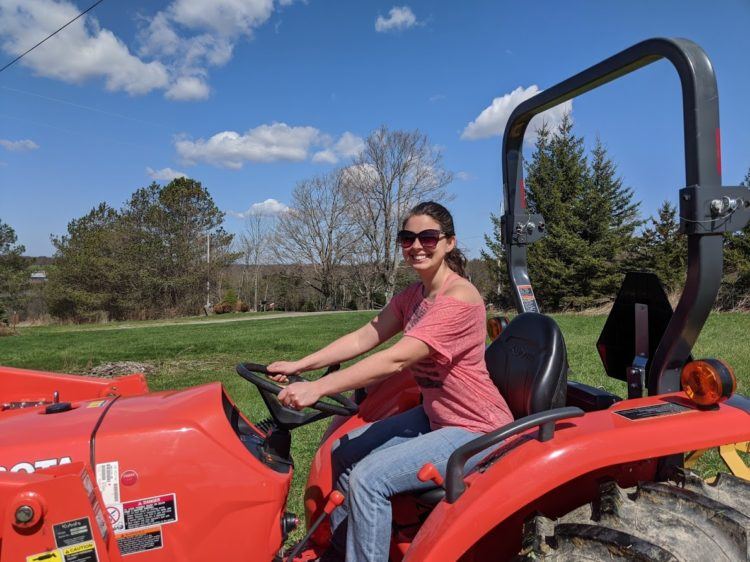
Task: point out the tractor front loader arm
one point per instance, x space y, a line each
54 515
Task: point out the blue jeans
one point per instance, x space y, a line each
380 460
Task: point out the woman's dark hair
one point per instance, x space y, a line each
455 258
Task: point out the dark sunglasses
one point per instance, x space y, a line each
427 238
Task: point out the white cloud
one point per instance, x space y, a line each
268 143
464 176
349 145
223 17
165 174
190 36
269 207
437 97
399 18
19 145
265 143
83 51
188 88
492 121
360 174
326 156
175 46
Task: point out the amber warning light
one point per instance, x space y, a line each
708 381
496 325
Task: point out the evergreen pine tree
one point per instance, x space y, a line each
590 219
14 273
735 288
662 249
555 178
494 258
608 218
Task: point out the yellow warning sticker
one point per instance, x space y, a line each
77 548
96 404
81 552
49 556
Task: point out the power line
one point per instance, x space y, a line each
19 57
80 106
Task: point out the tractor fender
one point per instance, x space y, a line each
597 445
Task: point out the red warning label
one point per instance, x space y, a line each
139 541
526 292
527 298
149 512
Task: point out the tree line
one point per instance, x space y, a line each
334 247
165 251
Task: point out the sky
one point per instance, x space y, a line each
251 96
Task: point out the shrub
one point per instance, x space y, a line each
230 298
222 307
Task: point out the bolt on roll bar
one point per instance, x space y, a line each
700 108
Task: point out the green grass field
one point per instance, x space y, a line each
190 354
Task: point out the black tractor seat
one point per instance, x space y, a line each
529 365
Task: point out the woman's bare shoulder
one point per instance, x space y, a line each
463 290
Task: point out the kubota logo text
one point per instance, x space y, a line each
36 465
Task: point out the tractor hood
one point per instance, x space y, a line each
37 437
181 471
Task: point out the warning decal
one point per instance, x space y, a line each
51 556
72 532
95 505
140 541
654 411
526 292
99 518
149 512
115 517
108 479
527 298
84 552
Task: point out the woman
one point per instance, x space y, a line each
443 320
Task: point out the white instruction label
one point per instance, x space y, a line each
108 479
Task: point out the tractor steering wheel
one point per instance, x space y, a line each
255 373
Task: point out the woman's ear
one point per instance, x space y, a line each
451 243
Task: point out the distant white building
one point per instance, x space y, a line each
38 276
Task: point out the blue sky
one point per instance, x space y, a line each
251 96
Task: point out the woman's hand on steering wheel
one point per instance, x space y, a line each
280 370
299 395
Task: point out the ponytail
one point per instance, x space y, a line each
456 261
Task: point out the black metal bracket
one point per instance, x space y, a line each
714 210
528 229
454 476
636 373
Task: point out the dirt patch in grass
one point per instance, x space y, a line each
119 368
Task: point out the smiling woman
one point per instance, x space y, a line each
442 318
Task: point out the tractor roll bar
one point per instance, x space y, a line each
454 474
700 108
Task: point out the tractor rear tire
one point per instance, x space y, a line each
683 521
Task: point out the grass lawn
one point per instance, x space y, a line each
190 354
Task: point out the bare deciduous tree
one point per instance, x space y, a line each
395 171
255 245
317 230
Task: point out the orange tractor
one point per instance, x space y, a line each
98 470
